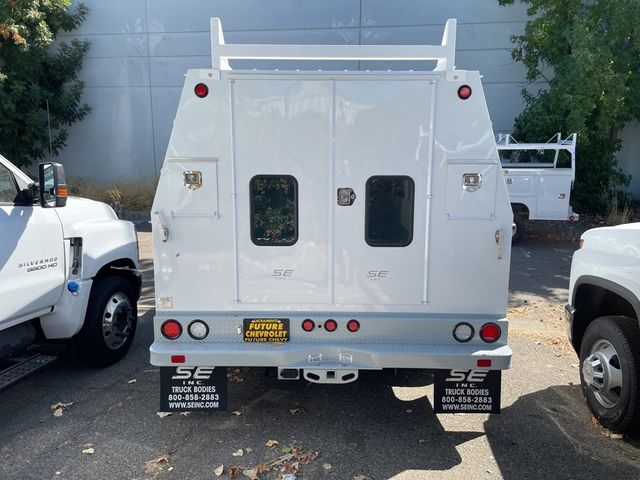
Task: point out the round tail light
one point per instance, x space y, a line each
330 325
353 325
198 330
171 329
308 325
463 332
490 332
201 90
464 92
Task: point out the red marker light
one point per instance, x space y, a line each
201 90
464 92
484 363
171 329
490 332
308 325
353 325
330 325
178 359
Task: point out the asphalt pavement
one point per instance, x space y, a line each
363 430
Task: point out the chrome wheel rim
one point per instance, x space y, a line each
514 229
117 321
602 373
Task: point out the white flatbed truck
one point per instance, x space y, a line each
328 222
68 270
539 179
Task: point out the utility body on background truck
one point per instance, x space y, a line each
539 179
328 222
68 270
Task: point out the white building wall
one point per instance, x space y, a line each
141 49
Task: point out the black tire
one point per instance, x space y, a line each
113 301
518 227
617 338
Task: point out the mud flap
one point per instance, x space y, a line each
192 389
467 391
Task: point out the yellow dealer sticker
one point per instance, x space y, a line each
266 330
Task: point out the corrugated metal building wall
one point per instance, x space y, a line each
142 48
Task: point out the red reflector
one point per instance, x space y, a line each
178 359
353 325
308 325
490 332
464 92
201 90
171 329
484 363
330 325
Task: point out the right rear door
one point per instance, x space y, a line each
382 148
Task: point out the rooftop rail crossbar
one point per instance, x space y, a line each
444 53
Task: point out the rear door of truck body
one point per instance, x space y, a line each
317 136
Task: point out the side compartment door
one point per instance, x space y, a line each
553 195
32 259
382 148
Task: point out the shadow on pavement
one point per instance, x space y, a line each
540 268
549 434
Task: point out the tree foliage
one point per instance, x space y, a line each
587 53
34 72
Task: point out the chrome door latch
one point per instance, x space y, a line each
346 197
471 181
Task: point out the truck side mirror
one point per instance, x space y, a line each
53 186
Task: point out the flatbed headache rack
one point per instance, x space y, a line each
444 53
505 141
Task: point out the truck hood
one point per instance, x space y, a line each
81 213
623 239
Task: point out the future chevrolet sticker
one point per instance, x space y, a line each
266 330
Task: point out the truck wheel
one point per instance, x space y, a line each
517 229
110 322
610 372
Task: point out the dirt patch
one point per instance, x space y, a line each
543 322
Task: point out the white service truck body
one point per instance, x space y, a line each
301 201
539 178
57 261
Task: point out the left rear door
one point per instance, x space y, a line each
31 255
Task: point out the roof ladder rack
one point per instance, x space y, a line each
444 53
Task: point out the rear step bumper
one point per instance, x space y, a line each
331 356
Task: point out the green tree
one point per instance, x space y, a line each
34 72
588 54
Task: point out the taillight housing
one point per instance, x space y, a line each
201 90
490 332
308 325
464 92
463 332
198 330
353 325
330 325
171 329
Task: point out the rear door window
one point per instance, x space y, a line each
274 210
389 211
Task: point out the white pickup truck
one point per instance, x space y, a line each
602 321
68 268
